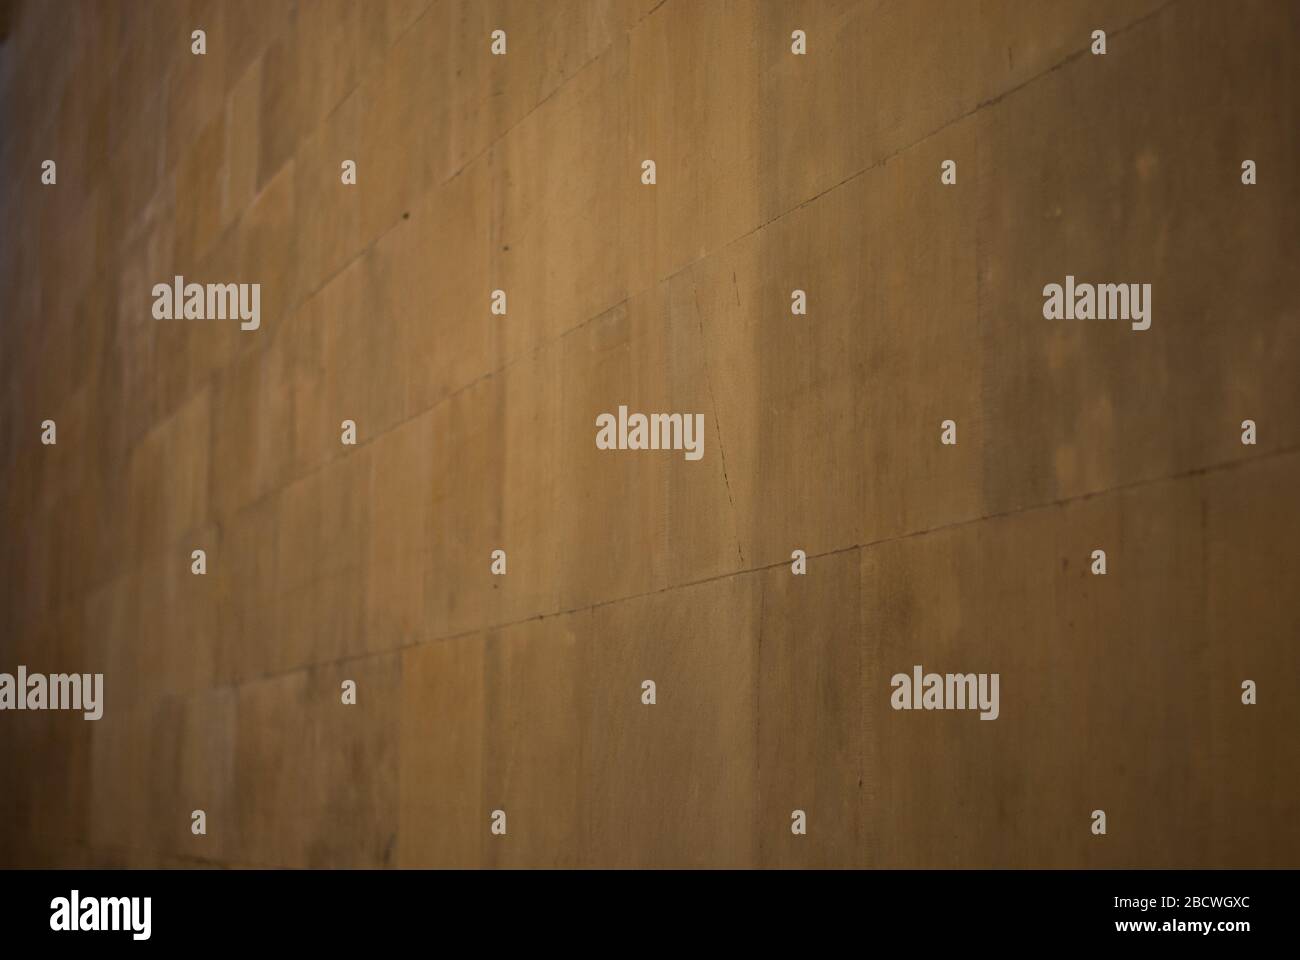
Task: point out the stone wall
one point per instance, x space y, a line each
475 432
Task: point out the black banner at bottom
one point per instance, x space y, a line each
1162 910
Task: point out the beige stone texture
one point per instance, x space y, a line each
371 563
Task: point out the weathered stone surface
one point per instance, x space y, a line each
475 432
